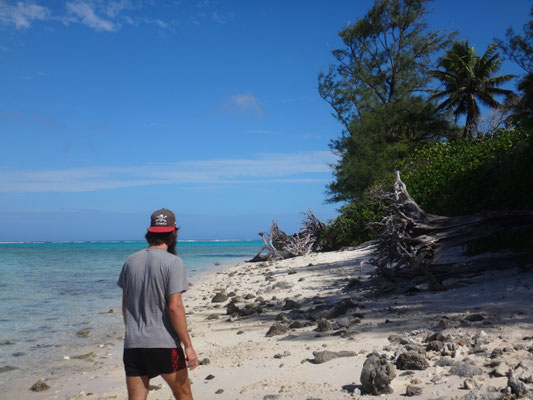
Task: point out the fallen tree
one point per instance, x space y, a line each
411 241
280 245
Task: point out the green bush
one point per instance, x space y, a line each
350 228
471 175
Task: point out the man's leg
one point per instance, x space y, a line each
137 387
179 383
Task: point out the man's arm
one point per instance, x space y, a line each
124 305
179 322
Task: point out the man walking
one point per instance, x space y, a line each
153 280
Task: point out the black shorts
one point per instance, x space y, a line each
153 362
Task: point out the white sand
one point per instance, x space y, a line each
244 365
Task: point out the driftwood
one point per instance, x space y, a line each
281 246
411 241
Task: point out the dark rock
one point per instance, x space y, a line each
271 397
240 332
282 285
413 391
152 388
209 377
232 308
276 329
292 272
465 370
318 312
232 294
411 360
416 348
249 296
7 343
18 354
290 305
518 387
219 391
324 325
435 345
377 374
301 279
219 298
474 317
296 325
83 332
445 362
260 299
237 299
436 336
40 386
341 308
7 368
212 316
326 355
205 361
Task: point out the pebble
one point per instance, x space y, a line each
83 332
219 391
209 377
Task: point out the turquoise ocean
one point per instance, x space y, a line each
51 291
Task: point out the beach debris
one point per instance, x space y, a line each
86 356
411 360
83 332
219 298
281 355
377 374
276 329
7 368
326 355
411 391
324 325
40 386
281 246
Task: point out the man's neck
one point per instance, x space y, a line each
159 246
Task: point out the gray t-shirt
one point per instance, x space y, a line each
148 278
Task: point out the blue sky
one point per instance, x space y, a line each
111 109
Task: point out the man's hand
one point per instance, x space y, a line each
191 357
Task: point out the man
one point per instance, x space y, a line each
153 280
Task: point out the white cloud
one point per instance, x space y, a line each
85 13
100 15
268 168
242 103
22 14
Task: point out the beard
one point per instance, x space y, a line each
173 243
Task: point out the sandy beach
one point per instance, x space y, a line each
302 328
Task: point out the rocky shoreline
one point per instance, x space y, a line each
320 327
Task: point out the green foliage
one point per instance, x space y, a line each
351 228
374 90
383 137
468 79
470 175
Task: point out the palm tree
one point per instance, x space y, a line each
467 79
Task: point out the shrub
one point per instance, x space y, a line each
351 228
471 175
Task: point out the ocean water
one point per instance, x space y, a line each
50 291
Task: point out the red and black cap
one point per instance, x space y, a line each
162 221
